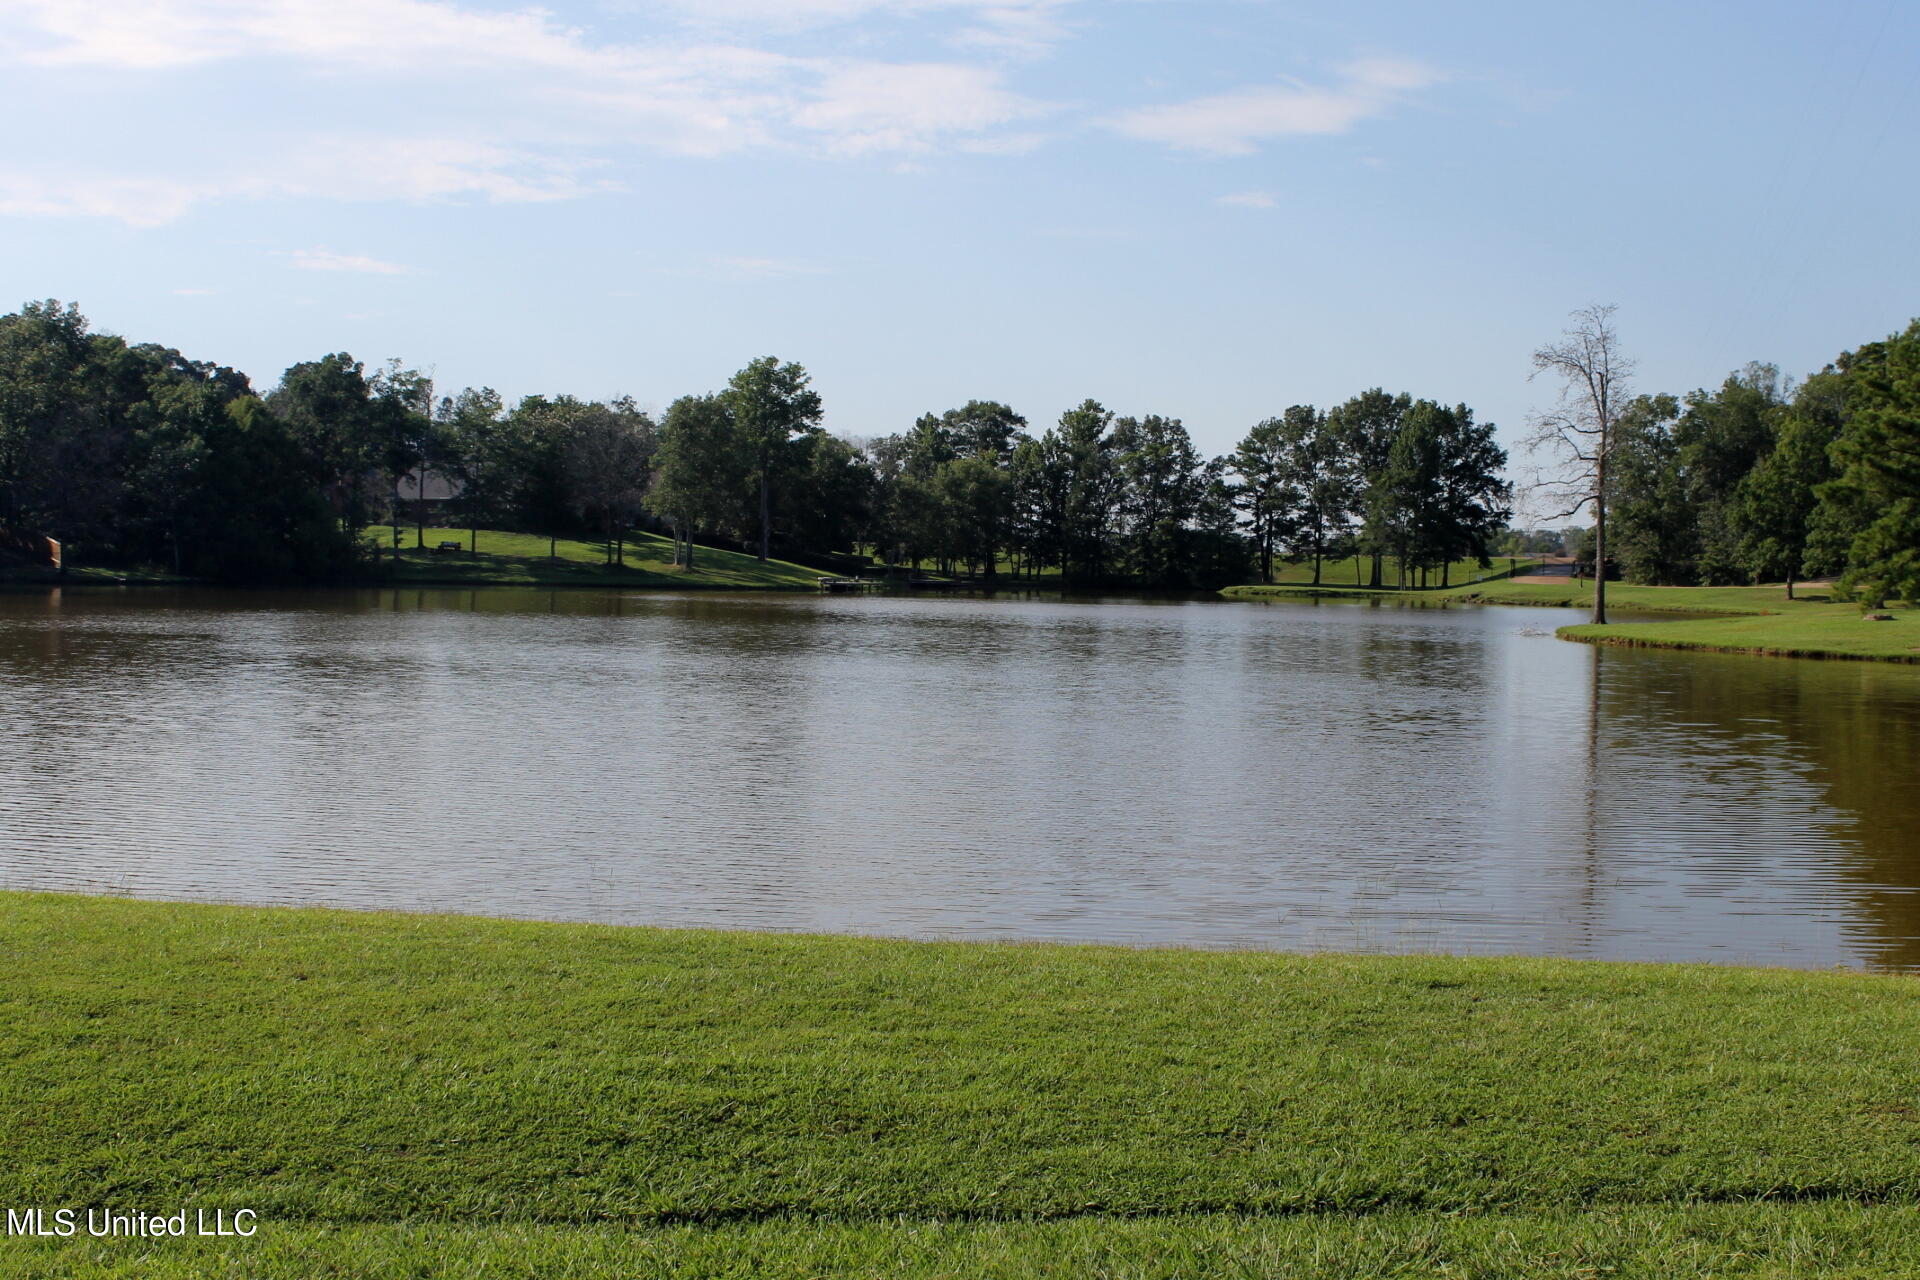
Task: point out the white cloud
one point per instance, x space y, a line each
1232 124
867 107
137 201
1004 26
499 105
331 167
1248 200
328 260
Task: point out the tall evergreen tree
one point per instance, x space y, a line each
1878 454
1367 426
1266 492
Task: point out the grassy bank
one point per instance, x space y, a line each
87 576
1759 620
405 1095
1565 593
519 559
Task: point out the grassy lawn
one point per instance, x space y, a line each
425 1096
87 575
519 559
1747 619
1354 570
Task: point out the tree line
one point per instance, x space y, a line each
1761 479
135 453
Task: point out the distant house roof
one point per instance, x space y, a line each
438 485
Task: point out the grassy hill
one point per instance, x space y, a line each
519 559
1758 620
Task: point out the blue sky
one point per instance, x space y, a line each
1208 210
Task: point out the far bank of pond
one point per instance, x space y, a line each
402 1095
1744 620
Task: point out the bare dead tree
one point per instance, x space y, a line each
1581 433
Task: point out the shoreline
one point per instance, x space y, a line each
1750 621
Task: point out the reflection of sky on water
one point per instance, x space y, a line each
1202 773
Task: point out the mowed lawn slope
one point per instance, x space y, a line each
1751 619
407 1095
519 559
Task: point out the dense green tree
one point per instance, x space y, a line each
350 439
1266 491
772 404
1878 454
701 477
255 515
608 463
538 437
1655 537
1719 438
477 457
1218 554
1040 483
1161 483
403 403
64 437
1082 447
1406 515
1319 470
1475 501
1774 503
1367 426
830 506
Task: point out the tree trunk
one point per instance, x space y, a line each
766 518
1600 538
1446 574
473 540
553 546
1379 565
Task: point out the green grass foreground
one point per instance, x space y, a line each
521 559
442 1096
1758 620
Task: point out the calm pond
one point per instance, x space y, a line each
1300 776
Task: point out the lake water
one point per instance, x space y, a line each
1329 775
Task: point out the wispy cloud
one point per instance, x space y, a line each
1021 27
1232 124
193 293
1248 200
869 107
524 107
328 260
